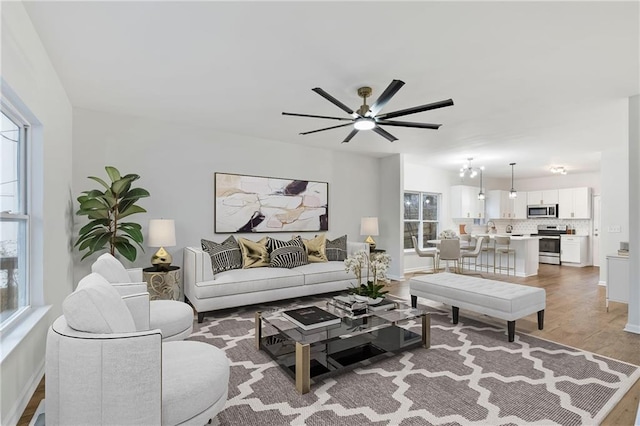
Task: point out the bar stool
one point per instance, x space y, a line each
472 254
502 247
486 248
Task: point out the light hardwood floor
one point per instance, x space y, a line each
575 316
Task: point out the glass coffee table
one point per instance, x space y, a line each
310 355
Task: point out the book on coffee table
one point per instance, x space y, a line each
311 317
385 305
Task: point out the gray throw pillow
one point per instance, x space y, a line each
225 256
337 249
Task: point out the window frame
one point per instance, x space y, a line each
23 216
421 220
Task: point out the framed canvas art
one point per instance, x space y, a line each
246 203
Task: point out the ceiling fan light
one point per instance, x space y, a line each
364 124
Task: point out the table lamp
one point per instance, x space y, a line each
369 227
162 233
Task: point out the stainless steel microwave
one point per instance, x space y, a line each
544 210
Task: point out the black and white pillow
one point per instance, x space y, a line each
287 254
337 249
225 256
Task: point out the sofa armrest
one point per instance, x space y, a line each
125 289
135 274
139 307
103 378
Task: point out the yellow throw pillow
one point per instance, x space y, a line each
254 253
316 249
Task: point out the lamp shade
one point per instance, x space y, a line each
162 233
369 226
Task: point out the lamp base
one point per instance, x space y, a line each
161 260
371 242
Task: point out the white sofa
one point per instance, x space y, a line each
241 287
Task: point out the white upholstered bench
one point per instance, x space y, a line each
498 299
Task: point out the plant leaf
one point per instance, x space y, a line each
93 224
101 241
131 210
120 187
131 177
93 204
113 173
131 225
100 181
135 234
126 249
136 193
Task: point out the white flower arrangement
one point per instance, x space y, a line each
376 266
448 234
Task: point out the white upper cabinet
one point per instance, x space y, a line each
575 203
549 196
465 203
519 210
499 205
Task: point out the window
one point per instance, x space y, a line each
421 214
14 218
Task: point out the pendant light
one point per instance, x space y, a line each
512 193
481 193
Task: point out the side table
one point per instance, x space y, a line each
164 285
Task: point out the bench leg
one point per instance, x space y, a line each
200 317
541 319
511 328
414 301
454 313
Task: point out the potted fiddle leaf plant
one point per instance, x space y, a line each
106 208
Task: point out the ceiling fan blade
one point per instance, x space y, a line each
317 116
427 107
388 136
350 136
326 128
388 93
409 124
333 100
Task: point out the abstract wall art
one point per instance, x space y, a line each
262 204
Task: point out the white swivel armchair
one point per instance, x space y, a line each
172 317
101 370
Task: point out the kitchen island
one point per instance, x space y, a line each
526 248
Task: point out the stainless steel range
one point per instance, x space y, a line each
549 245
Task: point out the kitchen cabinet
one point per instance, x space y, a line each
465 203
536 198
519 206
574 250
617 279
574 203
499 205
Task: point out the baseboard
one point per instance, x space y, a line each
23 401
602 283
632 328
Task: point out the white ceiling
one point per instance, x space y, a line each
533 82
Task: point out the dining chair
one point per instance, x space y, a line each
449 251
428 252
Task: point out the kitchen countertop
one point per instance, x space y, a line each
513 237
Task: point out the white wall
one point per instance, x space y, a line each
177 164
30 80
390 217
615 190
633 322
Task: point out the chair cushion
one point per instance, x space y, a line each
318 273
96 307
111 269
195 376
170 316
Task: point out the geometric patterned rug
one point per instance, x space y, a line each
471 375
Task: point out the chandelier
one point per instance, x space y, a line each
468 170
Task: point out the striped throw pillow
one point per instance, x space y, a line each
287 254
224 256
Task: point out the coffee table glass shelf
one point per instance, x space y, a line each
311 355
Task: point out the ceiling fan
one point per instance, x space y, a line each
367 117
